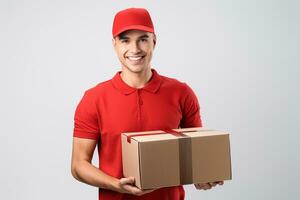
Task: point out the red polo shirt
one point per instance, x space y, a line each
113 107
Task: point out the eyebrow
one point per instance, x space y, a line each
144 36
124 37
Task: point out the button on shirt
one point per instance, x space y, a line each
113 107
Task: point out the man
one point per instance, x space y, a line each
136 99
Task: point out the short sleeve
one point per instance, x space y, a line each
86 118
190 110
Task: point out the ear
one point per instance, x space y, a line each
113 42
154 40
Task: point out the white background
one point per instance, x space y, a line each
240 57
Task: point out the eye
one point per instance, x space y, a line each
144 39
125 41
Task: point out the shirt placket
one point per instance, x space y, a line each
139 103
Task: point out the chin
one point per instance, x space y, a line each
136 69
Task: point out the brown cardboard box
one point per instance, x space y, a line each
162 159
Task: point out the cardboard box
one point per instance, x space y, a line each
176 157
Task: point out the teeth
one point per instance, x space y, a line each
135 58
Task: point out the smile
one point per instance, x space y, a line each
135 58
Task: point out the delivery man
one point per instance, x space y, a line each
137 98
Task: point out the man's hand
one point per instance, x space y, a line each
126 185
207 186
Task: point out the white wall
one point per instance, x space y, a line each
240 57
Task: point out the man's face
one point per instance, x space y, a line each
134 49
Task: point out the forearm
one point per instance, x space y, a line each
87 173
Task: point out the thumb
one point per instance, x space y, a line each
125 181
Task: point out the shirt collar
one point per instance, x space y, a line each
152 86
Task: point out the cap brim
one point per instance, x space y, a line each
134 27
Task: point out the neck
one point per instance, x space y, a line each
136 80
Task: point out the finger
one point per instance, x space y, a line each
213 184
136 191
125 181
220 182
197 186
206 186
132 189
200 186
147 191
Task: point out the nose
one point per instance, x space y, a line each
134 48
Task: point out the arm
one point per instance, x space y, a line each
192 118
83 170
190 109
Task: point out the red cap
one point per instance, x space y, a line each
132 18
